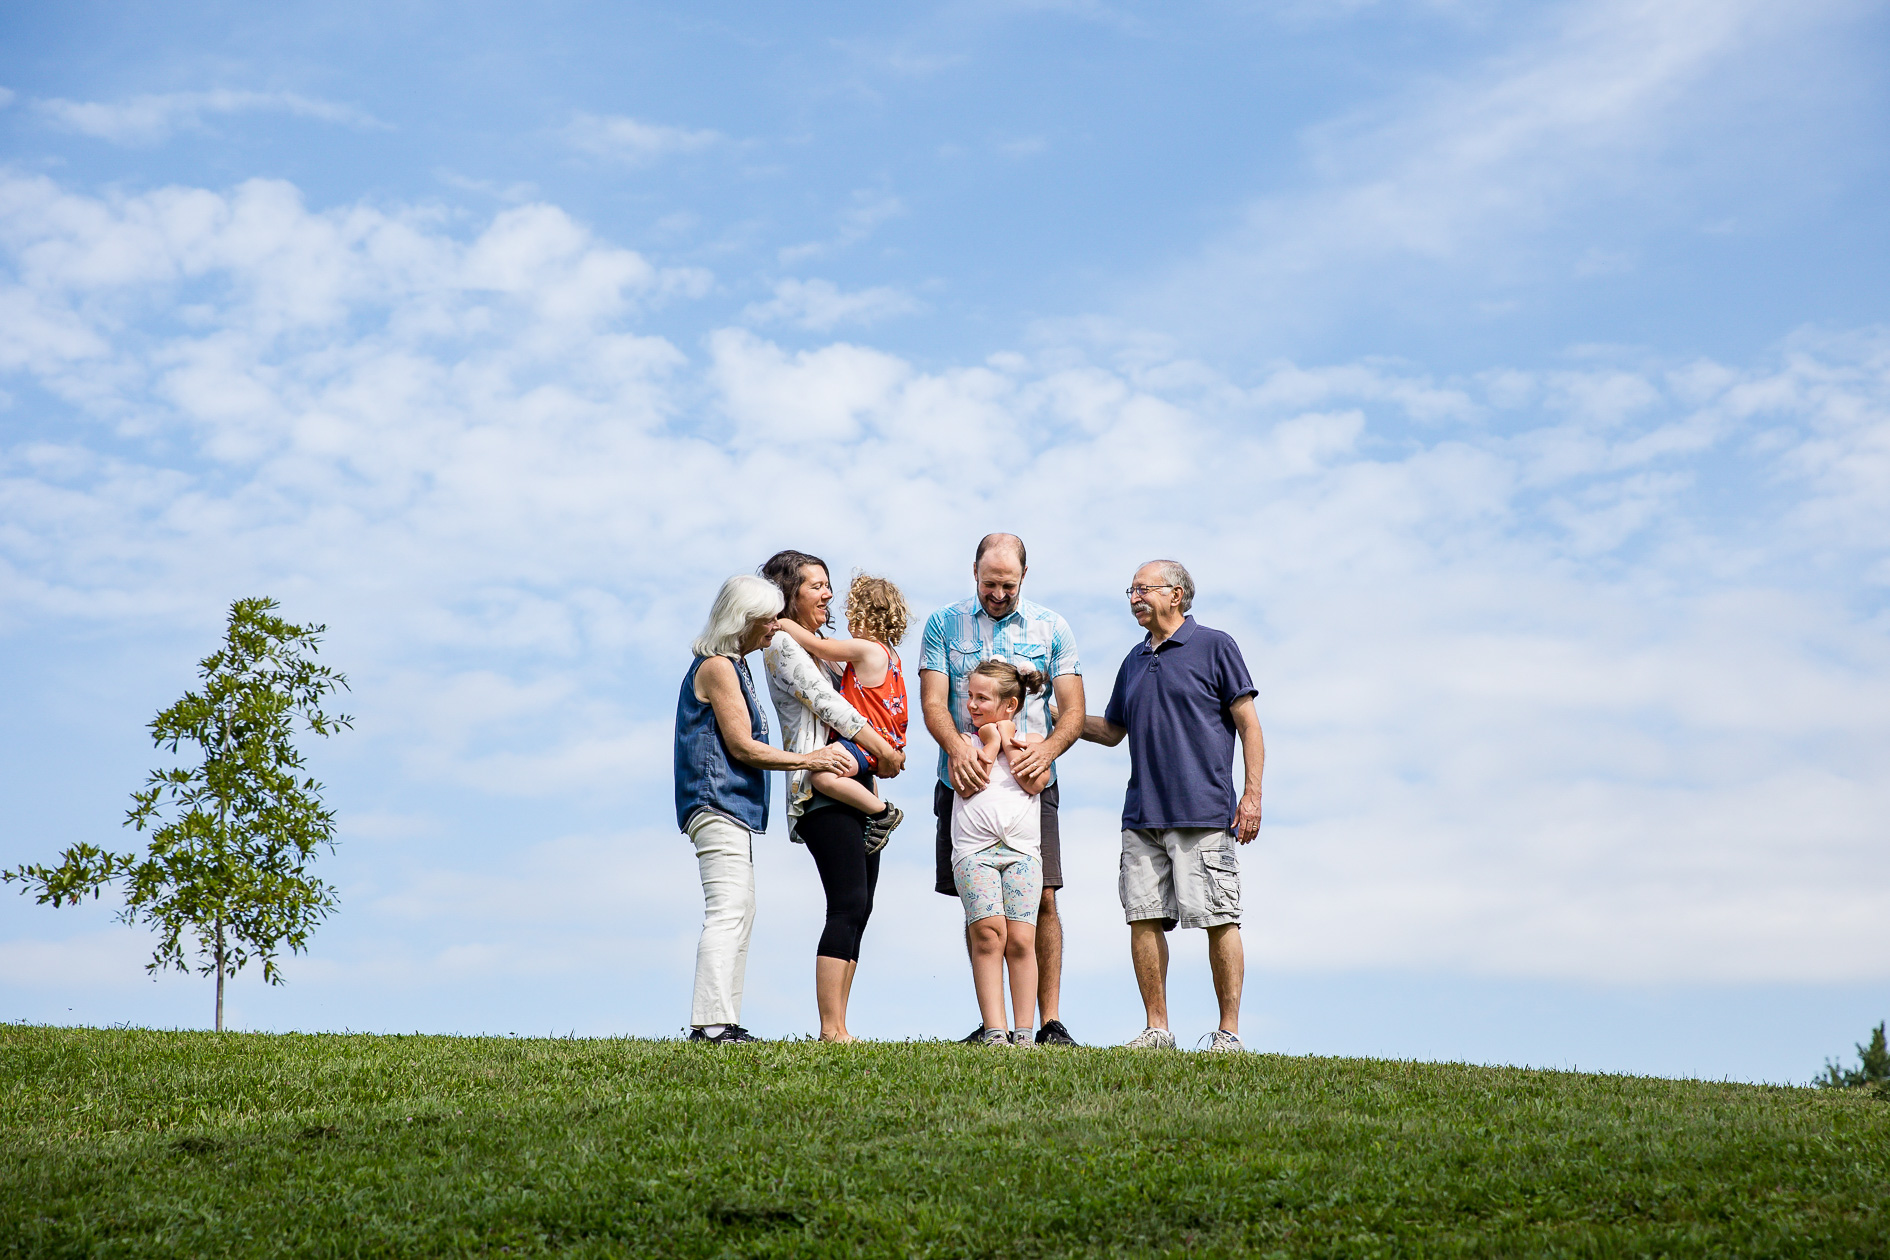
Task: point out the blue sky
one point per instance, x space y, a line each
1515 379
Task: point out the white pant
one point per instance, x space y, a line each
725 852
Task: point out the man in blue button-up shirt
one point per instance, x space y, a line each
1181 698
999 623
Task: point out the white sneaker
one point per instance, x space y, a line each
1224 1042
1152 1039
1023 1040
996 1037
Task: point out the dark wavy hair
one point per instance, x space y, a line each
784 569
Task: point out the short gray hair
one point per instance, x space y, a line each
743 600
1176 574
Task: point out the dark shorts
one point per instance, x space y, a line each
1052 840
861 757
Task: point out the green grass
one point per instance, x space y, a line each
129 1142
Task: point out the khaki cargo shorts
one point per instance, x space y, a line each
1187 876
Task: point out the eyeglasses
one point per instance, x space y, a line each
1137 592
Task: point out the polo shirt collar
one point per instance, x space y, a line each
1182 634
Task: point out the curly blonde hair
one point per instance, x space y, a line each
876 610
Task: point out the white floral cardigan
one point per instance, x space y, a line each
807 705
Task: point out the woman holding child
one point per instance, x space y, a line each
839 815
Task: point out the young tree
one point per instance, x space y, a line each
231 837
1873 1067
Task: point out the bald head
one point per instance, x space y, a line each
1001 542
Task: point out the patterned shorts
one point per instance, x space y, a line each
999 880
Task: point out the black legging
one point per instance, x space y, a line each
836 836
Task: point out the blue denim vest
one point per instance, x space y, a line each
705 773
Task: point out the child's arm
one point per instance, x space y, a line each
1036 783
990 741
838 651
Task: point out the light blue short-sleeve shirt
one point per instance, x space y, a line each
1030 637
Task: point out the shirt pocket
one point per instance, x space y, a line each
1034 657
963 655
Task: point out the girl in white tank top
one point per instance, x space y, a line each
997 855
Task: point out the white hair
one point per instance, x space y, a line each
1176 574
743 600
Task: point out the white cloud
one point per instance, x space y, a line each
1565 673
151 119
632 142
1026 146
1464 178
820 306
866 210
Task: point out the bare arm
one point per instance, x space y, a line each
1034 761
717 685
887 760
855 652
1253 746
962 767
1031 783
1102 731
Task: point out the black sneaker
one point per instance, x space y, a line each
879 828
1053 1033
975 1039
733 1035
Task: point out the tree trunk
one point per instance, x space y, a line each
219 973
223 845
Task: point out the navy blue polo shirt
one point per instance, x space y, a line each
1176 702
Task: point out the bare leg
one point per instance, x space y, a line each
846 791
1228 958
832 979
1049 955
987 968
1148 950
1020 950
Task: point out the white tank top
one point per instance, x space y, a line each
1003 811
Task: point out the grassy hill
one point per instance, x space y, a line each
126 1142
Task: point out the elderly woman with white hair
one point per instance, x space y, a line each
722 763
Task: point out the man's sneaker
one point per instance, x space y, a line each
976 1037
1021 1040
1053 1033
1223 1042
1152 1039
995 1037
733 1035
879 829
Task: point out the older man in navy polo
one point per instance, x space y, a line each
1181 697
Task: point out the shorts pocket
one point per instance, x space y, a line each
1222 870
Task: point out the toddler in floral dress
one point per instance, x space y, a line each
874 684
